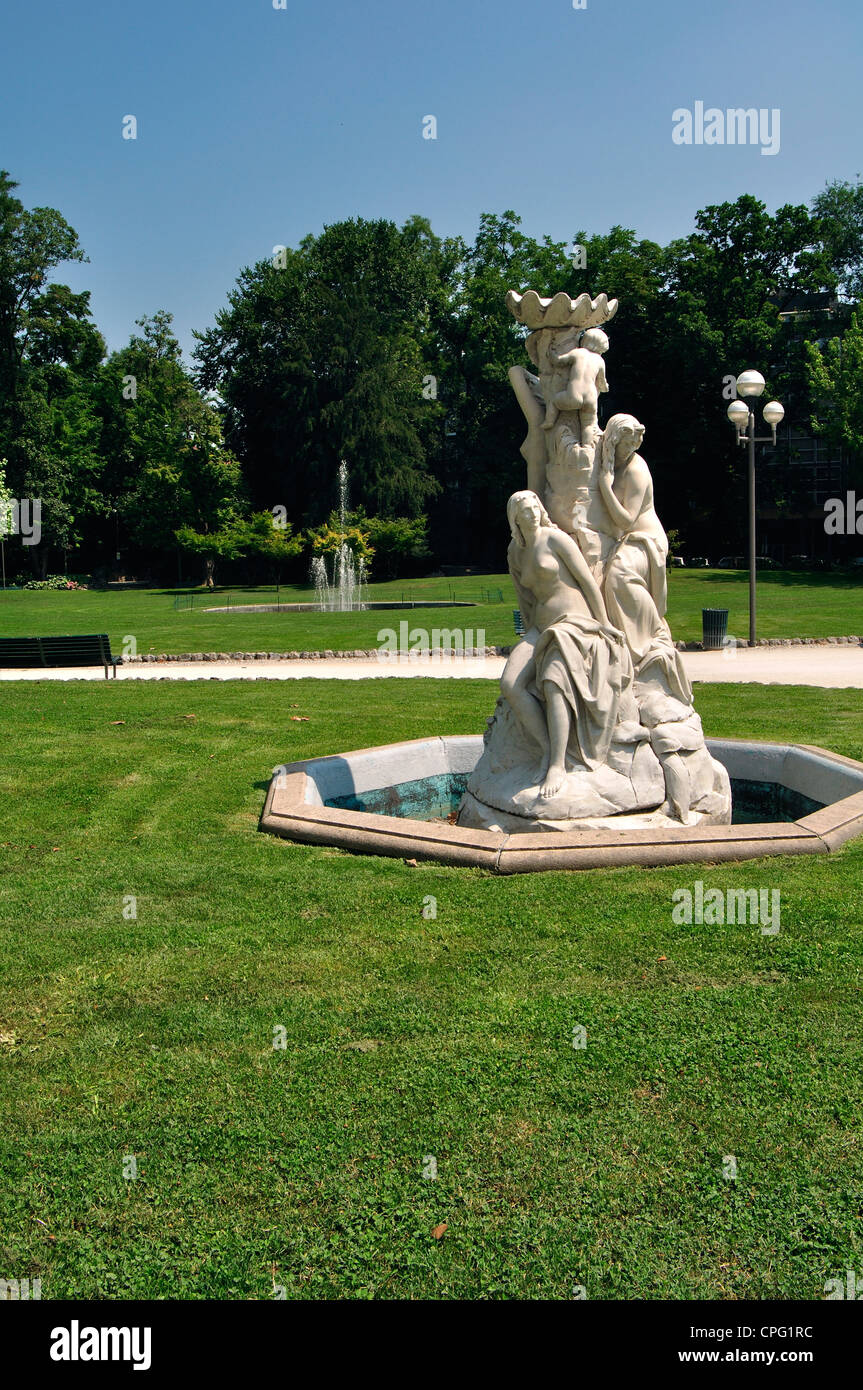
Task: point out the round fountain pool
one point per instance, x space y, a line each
325 607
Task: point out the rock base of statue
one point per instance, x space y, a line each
503 792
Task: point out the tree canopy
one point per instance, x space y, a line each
389 347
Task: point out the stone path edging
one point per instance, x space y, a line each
478 653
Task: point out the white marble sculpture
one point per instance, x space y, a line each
595 717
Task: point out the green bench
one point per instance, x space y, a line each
92 649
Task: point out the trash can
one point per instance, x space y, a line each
714 628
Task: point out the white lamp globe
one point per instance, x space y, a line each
750 384
738 414
774 413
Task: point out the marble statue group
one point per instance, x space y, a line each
595 717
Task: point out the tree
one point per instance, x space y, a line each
227 542
399 544
390 346
238 537
839 208
317 358
32 244
636 273
166 466
50 353
836 380
718 311
329 538
477 461
274 541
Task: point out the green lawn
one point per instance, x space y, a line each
406 1037
790 605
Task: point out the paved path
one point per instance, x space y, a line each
832 667
829 667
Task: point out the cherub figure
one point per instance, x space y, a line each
585 380
545 348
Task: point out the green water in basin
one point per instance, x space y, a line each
435 798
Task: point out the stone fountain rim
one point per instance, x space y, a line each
358 607
288 812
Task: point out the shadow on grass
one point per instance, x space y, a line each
823 579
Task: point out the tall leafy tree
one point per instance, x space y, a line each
836 379
478 461
166 465
50 353
839 208
719 311
317 358
32 244
636 273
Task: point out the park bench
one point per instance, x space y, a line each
93 649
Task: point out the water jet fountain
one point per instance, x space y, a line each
341 590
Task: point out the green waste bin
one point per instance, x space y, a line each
714 628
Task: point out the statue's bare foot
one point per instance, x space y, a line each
554 780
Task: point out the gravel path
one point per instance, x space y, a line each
830 667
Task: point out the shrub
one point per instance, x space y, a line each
400 544
54 581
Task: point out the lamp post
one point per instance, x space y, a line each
741 413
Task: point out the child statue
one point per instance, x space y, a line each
586 379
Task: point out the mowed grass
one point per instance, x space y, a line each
790 605
407 1038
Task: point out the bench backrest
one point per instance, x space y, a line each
89 649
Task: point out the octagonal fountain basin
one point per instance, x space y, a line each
400 800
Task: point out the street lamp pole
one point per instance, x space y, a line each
752 589
741 413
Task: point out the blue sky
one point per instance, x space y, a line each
257 125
